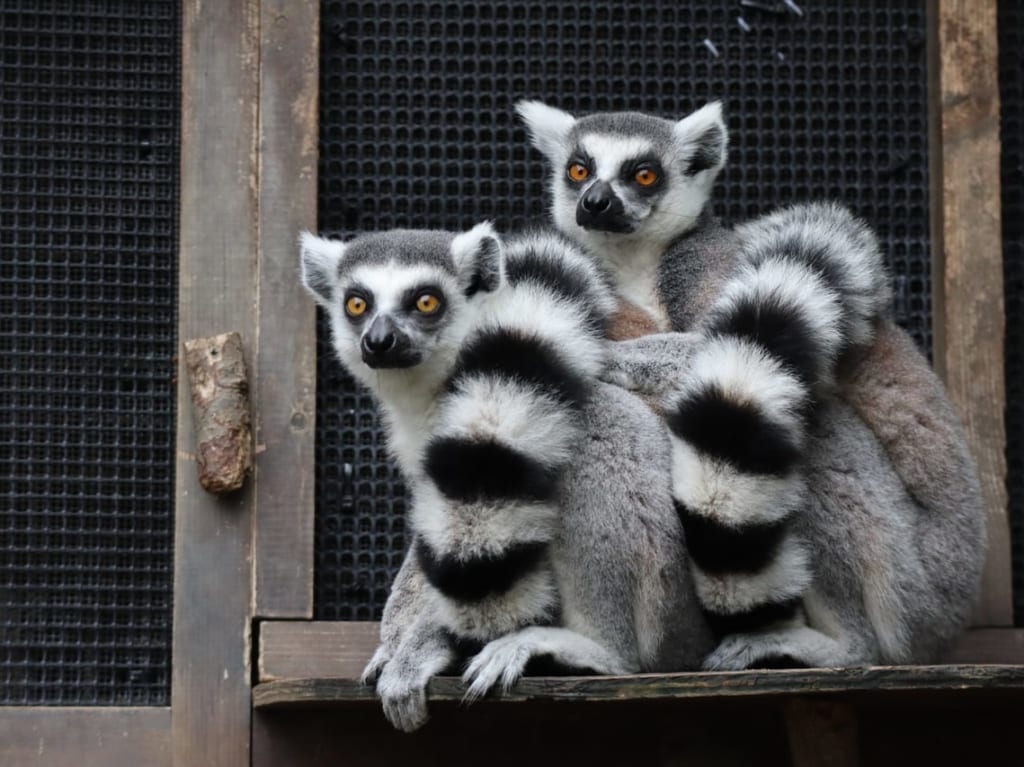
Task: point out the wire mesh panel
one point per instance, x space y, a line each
89 105
1011 88
417 130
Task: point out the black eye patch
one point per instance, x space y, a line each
411 297
631 169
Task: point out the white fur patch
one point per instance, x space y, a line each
534 310
716 489
799 290
610 152
786 577
511 413
548 127
747 373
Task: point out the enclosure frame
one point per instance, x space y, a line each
243 594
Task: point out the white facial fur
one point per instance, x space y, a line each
407 395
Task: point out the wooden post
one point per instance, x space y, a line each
211 686
968 314
285 380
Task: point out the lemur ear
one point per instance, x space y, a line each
478 258
704 137
320 259
548 127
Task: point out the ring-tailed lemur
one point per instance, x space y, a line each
832 510
483 357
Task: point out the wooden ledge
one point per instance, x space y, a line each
325 692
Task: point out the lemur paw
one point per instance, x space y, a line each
617 373
503 659
746 651
376 665
404 700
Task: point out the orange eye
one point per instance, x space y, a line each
579 172
428 303
355 306
645 177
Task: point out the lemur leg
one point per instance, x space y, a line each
406 602
424 652
829 634
651 366
505 659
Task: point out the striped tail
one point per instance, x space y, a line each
506 430
811 287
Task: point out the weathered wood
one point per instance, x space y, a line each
306 649
320 691
1001 646
300 649
821 732
285 384
968 314
220 408
73 737
210 687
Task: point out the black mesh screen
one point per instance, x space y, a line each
417 130
89 103
1011 88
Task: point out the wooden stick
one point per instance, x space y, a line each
220 404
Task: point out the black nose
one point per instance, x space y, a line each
380 338
598 198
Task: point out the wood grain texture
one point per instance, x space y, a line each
968 314
210 687
319 691
291 649
73 737
285 381
307 649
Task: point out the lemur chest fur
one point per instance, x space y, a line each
635 269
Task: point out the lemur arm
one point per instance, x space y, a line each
650 366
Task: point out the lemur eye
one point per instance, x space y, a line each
428 303
579 172
646 177
355 306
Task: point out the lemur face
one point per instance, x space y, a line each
400 299
627 176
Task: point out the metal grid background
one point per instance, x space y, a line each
1011 88
89 100
417 130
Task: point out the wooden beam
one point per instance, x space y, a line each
316 648
822 732
72 737
210 687
968 314
304 649
708 685
285 380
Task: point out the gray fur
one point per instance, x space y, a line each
618 563
893 515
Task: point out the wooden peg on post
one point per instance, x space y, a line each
220 405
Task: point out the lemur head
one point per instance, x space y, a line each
402 299
627 177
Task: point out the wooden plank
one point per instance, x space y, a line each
316 648
894 731
968 315
1002 646
210 687
72 737
822 732
285 381
319 691
306 649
